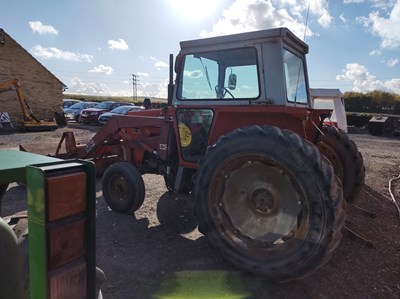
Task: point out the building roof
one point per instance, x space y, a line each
3 40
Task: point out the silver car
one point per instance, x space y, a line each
121 110
72 113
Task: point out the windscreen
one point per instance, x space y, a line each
223 74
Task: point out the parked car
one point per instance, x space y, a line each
69 102
91 115
121 110
73 112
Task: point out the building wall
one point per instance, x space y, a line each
41 88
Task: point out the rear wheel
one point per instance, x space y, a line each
123 187
269 202
347 161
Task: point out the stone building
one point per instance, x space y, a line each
41 88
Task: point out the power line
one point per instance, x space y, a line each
135 81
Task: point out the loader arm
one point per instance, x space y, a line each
117 128
124 137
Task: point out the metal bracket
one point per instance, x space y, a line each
356 210
357 238
179 180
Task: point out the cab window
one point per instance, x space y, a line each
295 81
223 74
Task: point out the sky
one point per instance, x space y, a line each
96 47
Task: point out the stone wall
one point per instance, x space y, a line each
41 88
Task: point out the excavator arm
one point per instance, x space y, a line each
30 122
13 84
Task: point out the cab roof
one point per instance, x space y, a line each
282 33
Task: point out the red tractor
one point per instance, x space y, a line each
239 134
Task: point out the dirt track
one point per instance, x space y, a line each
158 252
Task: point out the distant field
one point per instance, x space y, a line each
117 99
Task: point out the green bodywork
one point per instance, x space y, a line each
32 169
13 165
13 169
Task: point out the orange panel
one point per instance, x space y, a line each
66 195
69 284
66 243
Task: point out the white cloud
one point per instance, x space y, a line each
394 84
118 44
342 18
143 74
54 53
388 29
150 89
393 62
161 64
252 15
40 28
193 74
103 69
364 81
383 4
320 9
249 15
352 1
374 53
77 86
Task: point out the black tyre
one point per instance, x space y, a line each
123 187
347 161
269 202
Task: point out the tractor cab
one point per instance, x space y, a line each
262 67
227 82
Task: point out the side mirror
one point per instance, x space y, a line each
232 81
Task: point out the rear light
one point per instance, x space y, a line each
61 211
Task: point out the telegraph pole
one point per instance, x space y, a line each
135 81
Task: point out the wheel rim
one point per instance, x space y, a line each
258 206
119 189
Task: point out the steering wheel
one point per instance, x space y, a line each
222 91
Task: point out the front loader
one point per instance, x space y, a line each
269 179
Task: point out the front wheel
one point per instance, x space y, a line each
123 187
269 202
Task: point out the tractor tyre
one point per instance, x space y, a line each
269 202
123 187
347 161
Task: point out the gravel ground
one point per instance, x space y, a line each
158 252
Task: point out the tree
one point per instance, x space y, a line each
372 102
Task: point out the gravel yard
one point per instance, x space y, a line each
158 252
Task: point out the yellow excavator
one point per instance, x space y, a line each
29 121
